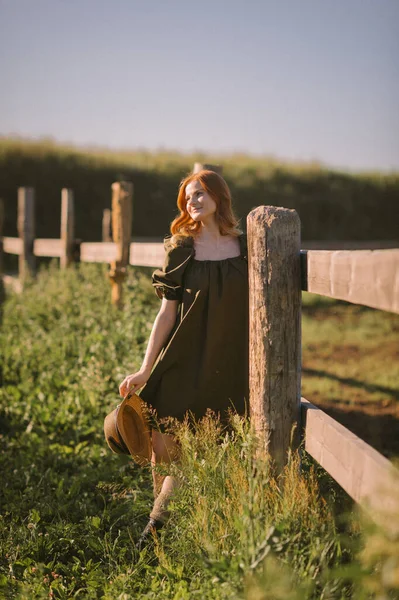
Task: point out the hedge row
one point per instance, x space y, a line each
332 205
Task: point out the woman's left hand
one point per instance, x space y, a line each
132 383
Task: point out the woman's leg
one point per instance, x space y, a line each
165 450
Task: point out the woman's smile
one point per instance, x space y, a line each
207 206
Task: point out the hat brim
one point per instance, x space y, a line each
127 431
112 435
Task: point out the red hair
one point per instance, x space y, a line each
217 188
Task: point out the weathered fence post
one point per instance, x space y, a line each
107 225
199 166
275 328
122 209
67 228
26 231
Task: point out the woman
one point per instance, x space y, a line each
200 335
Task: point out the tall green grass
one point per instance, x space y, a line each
71 510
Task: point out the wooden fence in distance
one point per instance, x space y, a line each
116 249
118 253
278 271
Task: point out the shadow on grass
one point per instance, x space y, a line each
81 498
368 387
316 305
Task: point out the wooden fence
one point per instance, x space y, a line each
119 253
278 271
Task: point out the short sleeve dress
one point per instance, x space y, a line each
204 362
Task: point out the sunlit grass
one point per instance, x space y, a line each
71 510
349 352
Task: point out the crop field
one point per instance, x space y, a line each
71 510
331 204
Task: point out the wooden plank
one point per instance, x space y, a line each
12 245
67 228
367 476
26 231
51 247
368 277
275 327
146 254
98 252
140 253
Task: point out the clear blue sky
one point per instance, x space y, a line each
297 79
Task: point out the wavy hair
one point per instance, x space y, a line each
184 226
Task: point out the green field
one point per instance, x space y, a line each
350 367
332 204
71 510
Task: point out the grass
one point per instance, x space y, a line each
71 510
350 367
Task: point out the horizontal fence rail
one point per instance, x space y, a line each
98 252
141 254
12 245
48 247
368 277
366 476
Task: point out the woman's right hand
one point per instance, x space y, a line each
132 383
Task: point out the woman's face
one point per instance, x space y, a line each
200 205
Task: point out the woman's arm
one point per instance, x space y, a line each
161 329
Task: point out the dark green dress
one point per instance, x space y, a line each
204 363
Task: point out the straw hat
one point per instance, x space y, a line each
127 430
